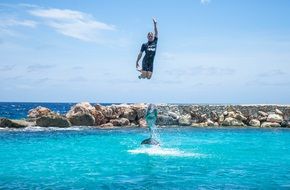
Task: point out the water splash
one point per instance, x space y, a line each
158 151
151 117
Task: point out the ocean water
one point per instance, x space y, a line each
19 110
93 158
188 158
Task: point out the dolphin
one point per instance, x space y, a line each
150 141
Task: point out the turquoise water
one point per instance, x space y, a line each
188 158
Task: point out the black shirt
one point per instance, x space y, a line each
149 48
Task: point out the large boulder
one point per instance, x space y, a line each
4 122
82 119
82 114
263 114
241 117
166 120
270 124
129 113
99 117
185 120
279 112
83 108
53 121
214 116
174 115
112 112
37 112
275 118
255 123
229 121
140 110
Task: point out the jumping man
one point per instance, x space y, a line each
150 49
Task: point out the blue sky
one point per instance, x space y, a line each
209 51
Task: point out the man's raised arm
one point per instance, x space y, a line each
155 28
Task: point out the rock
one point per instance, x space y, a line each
214 116
185 120
129 114
277 111
107 125
221 118
4 122
229 121
98 107
37 112
262 118
53 121
285 123
255 123
99 117
225 113
166 120
210 122
274 118
83 107
203 118
120 122
263 114
82 119
140 110
134 125
216 124
84 114
203 124
231 114
270 124
113 112
142 123
241 117
174 115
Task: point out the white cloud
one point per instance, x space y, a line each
205 2
14 22
71 23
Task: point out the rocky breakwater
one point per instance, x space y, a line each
132 115
224 115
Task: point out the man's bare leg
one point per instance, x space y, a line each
149 75
143 74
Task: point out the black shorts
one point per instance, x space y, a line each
147 65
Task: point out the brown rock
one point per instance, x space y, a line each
4 122
53 120
270 124
142 123
107 125
82 119
37 112
120 122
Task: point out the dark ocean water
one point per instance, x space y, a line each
19 110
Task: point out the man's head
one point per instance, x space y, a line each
150 36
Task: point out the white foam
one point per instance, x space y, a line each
159 151
37 128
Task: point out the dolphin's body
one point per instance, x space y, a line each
150 141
